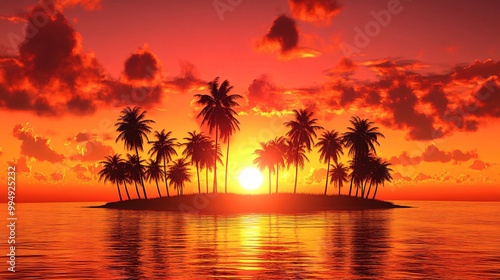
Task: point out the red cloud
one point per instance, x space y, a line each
53 76
142 66
21 165
35 146
93 151
433 154
479 165
314 11
283 38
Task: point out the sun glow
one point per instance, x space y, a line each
250 178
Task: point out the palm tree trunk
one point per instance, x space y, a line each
269 180
137 189
363 189
126 190
215 159
198 176
142 181
277 175
369 189
327 171
350 187
357 189
157 187
296 173
339 184
165 171
227 165
296 170
119 193
375 193
206 177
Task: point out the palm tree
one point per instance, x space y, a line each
133 127
296 155
135 170
302 133
265 158
209 157
163 149
279 148
381 173
113 172
330 144
227 129
360 140
218 114
338 175
195 149
154 172
123 176
178 174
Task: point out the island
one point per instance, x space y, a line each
221 203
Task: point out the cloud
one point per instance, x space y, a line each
56 176
422 177
433 154
315 176
479 69
81 171
265 96
40 177
405 159
21 165
35 146
283 38
187 81
94 150
52 75
83 136
479 165
142 65
315 11
89 5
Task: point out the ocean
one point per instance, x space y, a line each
432 240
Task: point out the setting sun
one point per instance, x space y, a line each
250 178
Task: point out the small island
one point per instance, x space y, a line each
221 203
365 172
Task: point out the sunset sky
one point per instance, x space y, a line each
426 72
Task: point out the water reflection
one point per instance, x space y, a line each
76 243
370 235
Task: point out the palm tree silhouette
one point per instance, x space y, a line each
302 133
265 158
178 174
279 148
154 172
218 114
360 140
196 146
112 171
133 128
162 150
208 158
330 147
296 155
338 175
135 170
381 173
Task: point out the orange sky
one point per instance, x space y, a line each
426 73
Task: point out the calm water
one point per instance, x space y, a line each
455 240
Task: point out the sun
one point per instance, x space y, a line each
250 178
